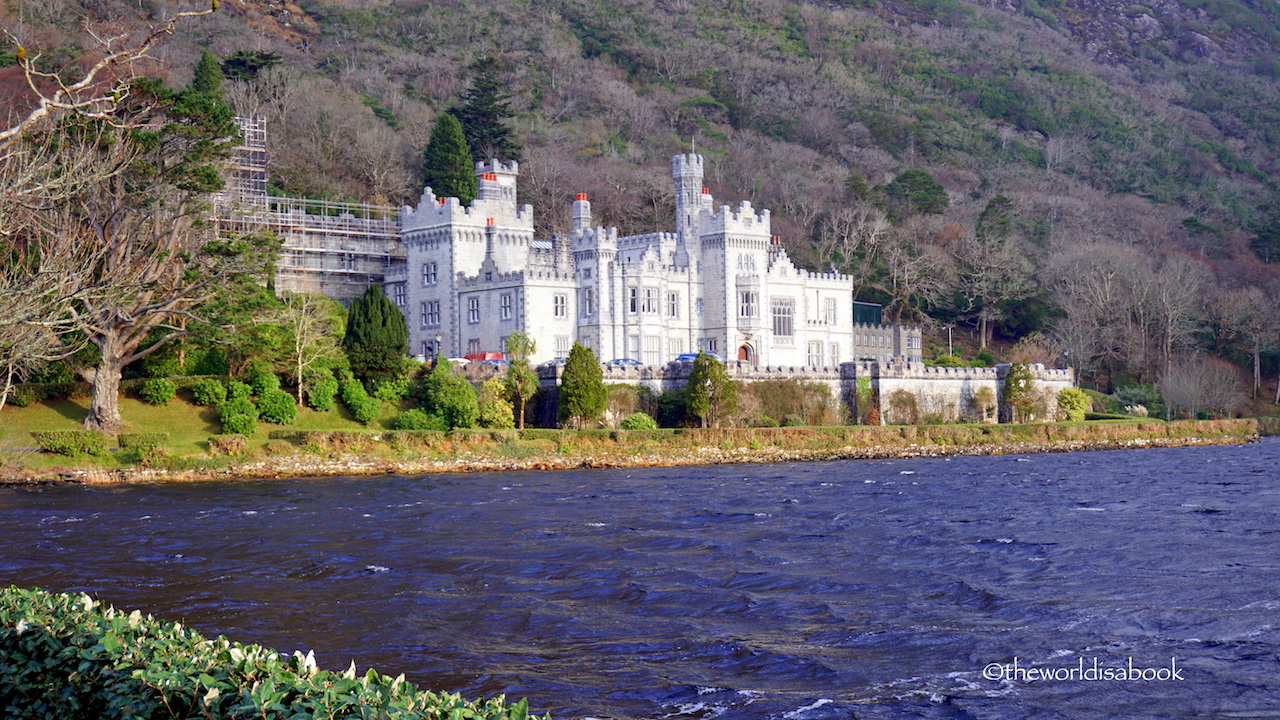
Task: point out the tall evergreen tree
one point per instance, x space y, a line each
377 339
916 192
446 162
583 396
486 106
208 76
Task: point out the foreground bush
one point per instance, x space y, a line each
72 442
68 656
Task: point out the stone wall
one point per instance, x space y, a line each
908 392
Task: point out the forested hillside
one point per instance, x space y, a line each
1110 169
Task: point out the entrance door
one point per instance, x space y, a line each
747 354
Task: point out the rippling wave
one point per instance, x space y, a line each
867 589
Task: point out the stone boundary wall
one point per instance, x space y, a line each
946 393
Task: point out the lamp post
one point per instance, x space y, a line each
439 353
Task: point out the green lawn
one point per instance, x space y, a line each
189 426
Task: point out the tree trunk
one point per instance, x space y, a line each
104 408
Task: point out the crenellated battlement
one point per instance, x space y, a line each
686 165
743 219
433 211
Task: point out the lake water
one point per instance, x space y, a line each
867 589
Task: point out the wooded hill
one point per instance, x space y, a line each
1151 131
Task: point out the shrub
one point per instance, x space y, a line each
239 424
391 390
72 442
84 659
237 406
142 440
158 391
277 406
352 392
639 421
21 397
495 410
367 410
209 392
237 389
322 391
263 382
1073 403
763 421
416 419
792 421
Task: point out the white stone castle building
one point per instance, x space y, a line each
721 282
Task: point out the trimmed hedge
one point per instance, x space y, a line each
209 392
129 441
277 406
70 656
72 442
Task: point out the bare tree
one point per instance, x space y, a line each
1250 317
313 325
1198 384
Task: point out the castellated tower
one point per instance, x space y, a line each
691 196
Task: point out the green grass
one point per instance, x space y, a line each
189 426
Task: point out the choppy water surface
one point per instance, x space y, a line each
868 589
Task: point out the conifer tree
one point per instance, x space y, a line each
446 162
377 338
583 396
486 106
208 76
916 192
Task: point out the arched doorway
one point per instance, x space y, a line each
747 354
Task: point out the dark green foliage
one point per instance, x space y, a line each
72 442
209 392
443 393
208 76
916 192
380 111
673 409
142 440
712 396
485 109
639 421
447 167
277 406
792 421
1019 391
246 64
583 396
158 391
68 656
377 339
764 421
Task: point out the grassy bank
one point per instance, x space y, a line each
333 443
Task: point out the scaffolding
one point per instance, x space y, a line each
332 248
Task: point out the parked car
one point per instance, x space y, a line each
552 362
625 362
494 362
460 362
690 357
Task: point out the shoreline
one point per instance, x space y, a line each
483 451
